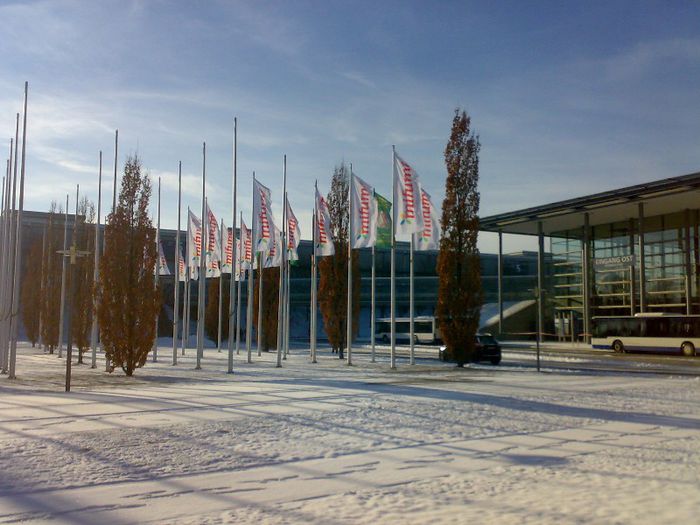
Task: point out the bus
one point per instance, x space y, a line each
649 332
425 329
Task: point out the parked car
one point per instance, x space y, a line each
487 349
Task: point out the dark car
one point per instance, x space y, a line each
487 349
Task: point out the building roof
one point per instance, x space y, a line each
659 197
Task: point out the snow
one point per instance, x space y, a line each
333 444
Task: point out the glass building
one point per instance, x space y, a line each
622 252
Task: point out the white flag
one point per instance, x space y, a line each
364 214
180 265
293 233
274 255
213 261
246 252
429 237
162 262
409 215
194 239
324 242
227 259
264 223
238 274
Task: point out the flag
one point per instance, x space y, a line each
194 239
324 243
409 215
274 255
213 250
238 274
429 237
262 213
246 253
180 265
364 214
162 262
384 230
293 233
227 259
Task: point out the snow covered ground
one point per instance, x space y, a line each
332 444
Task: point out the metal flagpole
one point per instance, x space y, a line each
41 286
7 260
71 256
176 273
185 332
249 305
348 314
7 343
261 268
221 284
3 261
63 284
233 322
238 293
108 365
157 277
202 265
283 247
312 316
373 308
393 261
412 353
287 304
96 270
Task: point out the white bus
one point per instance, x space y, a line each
648 333
425 329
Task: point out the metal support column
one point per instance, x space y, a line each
586 277
540 286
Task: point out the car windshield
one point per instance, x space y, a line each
487 339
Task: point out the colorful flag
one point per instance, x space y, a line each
162 262
429 237
409 215
227 256
293 234
213 261
384 230
262 212
324 242
247 247
364 214
180 265
274 255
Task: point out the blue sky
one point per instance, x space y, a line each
569 98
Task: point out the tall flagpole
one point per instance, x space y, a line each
5 255
393 261
412 353
238 293
233 322
185 332
348 317
157 277
96 270
108 365
373 308
13 242
314 269
176 280
286 308
18 246
283 247
249 305
261 269
202 265
63 283
221 284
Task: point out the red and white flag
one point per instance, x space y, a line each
194 239
293 234
246 251
162 262
364 214
274 255
429 237
213 261
227 254
324 242
262 213
181 266
409 215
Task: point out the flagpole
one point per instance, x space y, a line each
13 243
221 284
249 304
238 292
393 261
157 278
412 352
3 255
234 296
314 270
283 247
63 283
373 308
261 269
108 366
8 255
176 279
96 270
348 316
185 332
286 309
18 245
202 265
6 221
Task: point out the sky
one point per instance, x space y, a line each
568 98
